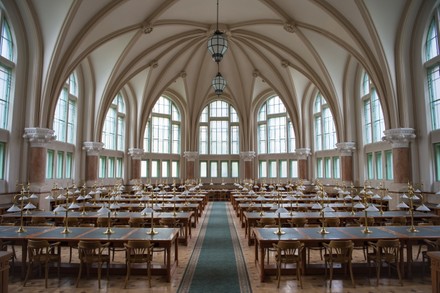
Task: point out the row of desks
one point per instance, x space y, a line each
166 238
266 237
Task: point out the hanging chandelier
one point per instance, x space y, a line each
219 84
217 44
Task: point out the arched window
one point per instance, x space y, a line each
113 134
219 130
324 125
275 130
64 122
432 65
373 121
7 65
162 134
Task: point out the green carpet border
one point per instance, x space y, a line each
188 275
243 277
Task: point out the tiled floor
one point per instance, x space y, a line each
315 283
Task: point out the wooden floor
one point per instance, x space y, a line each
315 283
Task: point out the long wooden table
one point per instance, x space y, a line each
266 237
251 218
187 219
166 238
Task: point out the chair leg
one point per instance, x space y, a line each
351 274
149 273
331 273
99 275
128 275
79 274
46 273
378 265
279 274
27 273
298 274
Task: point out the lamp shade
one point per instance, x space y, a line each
217 46
218 83
13 209
422 208
281 210
371 208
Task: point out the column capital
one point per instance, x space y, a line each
247 156
92 147
346 148
135 153
190 156
399 137
39 137
302 153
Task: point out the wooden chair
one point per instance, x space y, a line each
297 222
4 247
39 221
91 252
104 222
138 252
289 252
430 246
370 221
339 251
309 249
266 221
385 251
136 222
42 252
332 222
397 221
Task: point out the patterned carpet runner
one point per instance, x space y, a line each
217 263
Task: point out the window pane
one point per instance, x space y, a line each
5 95
213 168
60 164
263 169
144 168
319 171
378 162
432 49
203 140
389 164
203 169
434 95
283 169
6 41
336 168
224 169
119 167
154 168
234 169
49 164
293 168
102 166
370 170
2 160
327 168
165 169
175 169
111 168
272 169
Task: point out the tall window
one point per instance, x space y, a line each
64 122
6 68
162 134
113 134
219 130
432 65
373 121
275 130
325 130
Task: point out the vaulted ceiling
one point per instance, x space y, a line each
288 47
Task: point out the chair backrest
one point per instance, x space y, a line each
37 247
38 220
103 222
266 221
340 250
388 249
139 250
136 222
332 222
298 222
289 250
433 245
370 221
71 222
398 220
169 222
91 251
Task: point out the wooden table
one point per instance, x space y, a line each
4 270
188 219
251 218
265 237
435 270
166 238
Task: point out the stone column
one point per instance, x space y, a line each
92 160
302 155
248 158
136 155
346 150
190 163
38 139
400 139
